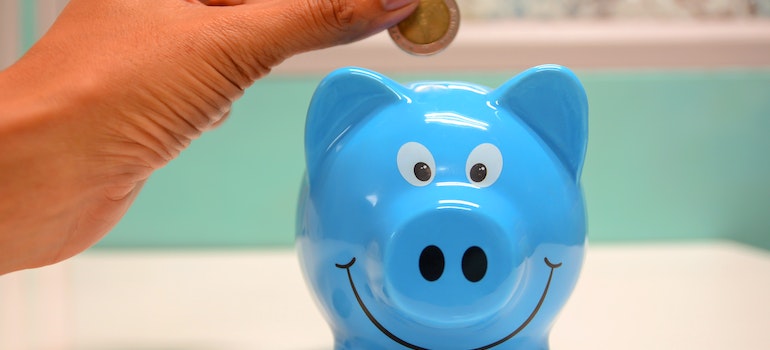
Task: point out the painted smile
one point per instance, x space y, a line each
398 340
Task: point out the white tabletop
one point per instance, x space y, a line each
704 296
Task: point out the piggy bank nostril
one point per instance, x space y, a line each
431 263
474 264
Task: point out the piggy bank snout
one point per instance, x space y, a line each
451 267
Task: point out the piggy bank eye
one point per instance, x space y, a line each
484 165
416 164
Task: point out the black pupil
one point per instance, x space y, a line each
478 172
422 171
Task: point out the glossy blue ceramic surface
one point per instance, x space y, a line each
443 215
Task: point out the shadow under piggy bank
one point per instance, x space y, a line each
443 215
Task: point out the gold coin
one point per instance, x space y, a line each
429 29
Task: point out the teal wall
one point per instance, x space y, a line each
28 28
673 155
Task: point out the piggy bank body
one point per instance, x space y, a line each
443 215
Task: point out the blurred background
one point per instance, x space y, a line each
614 9
679 94
676 180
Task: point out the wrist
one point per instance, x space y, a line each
41 168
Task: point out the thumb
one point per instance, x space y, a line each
278 29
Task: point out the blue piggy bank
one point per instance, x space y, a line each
443 215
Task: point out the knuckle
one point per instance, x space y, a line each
335 14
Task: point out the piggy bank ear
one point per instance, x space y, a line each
551 101
343 99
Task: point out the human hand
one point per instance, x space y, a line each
117 88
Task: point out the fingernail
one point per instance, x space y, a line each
390 5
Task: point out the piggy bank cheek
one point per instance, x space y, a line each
452 268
